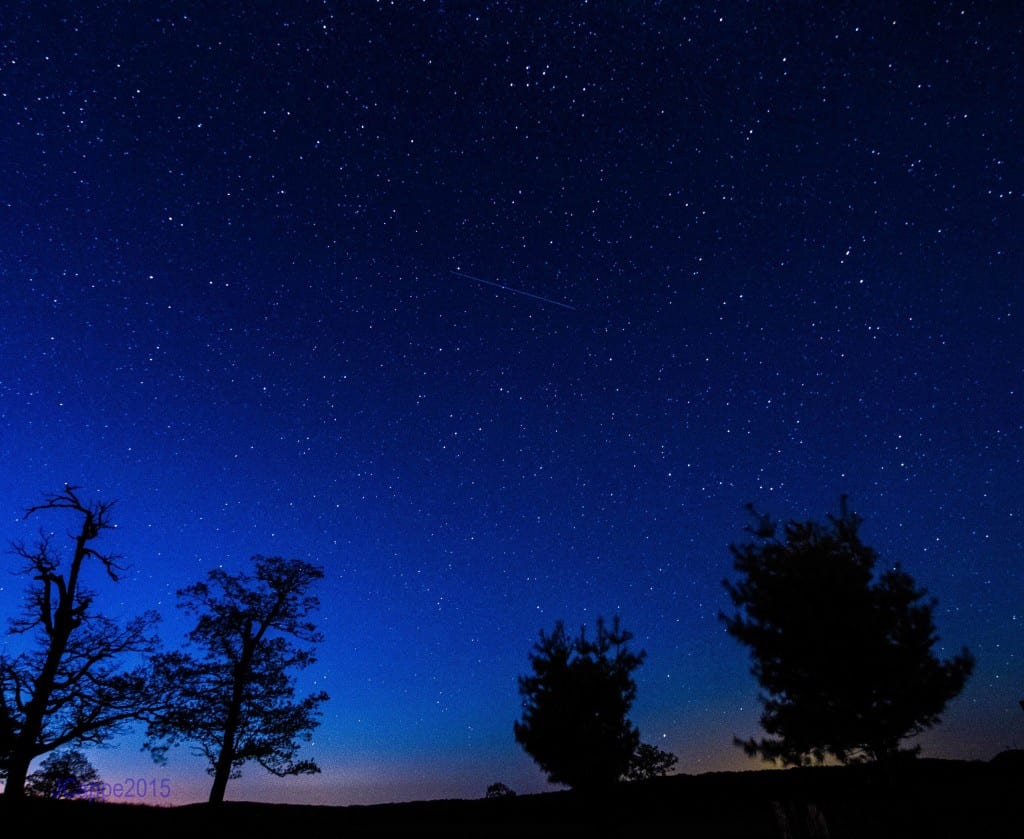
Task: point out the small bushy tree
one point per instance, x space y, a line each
575 706
500 790
842 651
650 762
66 773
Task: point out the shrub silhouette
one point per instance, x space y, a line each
500 790
650 762
66 773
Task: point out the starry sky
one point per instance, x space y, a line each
501 312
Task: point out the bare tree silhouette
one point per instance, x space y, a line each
69 687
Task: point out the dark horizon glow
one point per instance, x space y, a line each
793 243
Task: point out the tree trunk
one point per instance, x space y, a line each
17 772
220 778
226 757
26 742
222 769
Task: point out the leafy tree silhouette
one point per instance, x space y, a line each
66 773
575 706
650 762
843 654
500 790
237 700
69 686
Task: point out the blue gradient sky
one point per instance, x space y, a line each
231 248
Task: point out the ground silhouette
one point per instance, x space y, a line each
926 798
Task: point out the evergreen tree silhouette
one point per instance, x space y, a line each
843 653
575 706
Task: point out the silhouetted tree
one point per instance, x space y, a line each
68 686
650 762
66 773
575 706
500 790
236 701
844 654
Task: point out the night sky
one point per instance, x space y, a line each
250 258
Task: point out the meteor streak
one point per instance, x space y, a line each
515 290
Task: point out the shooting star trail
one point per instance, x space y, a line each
515 290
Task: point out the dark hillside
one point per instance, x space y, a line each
928 798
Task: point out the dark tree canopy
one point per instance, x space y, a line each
235 701
66 773
575 706
500 790
69 685
843 652
650 762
